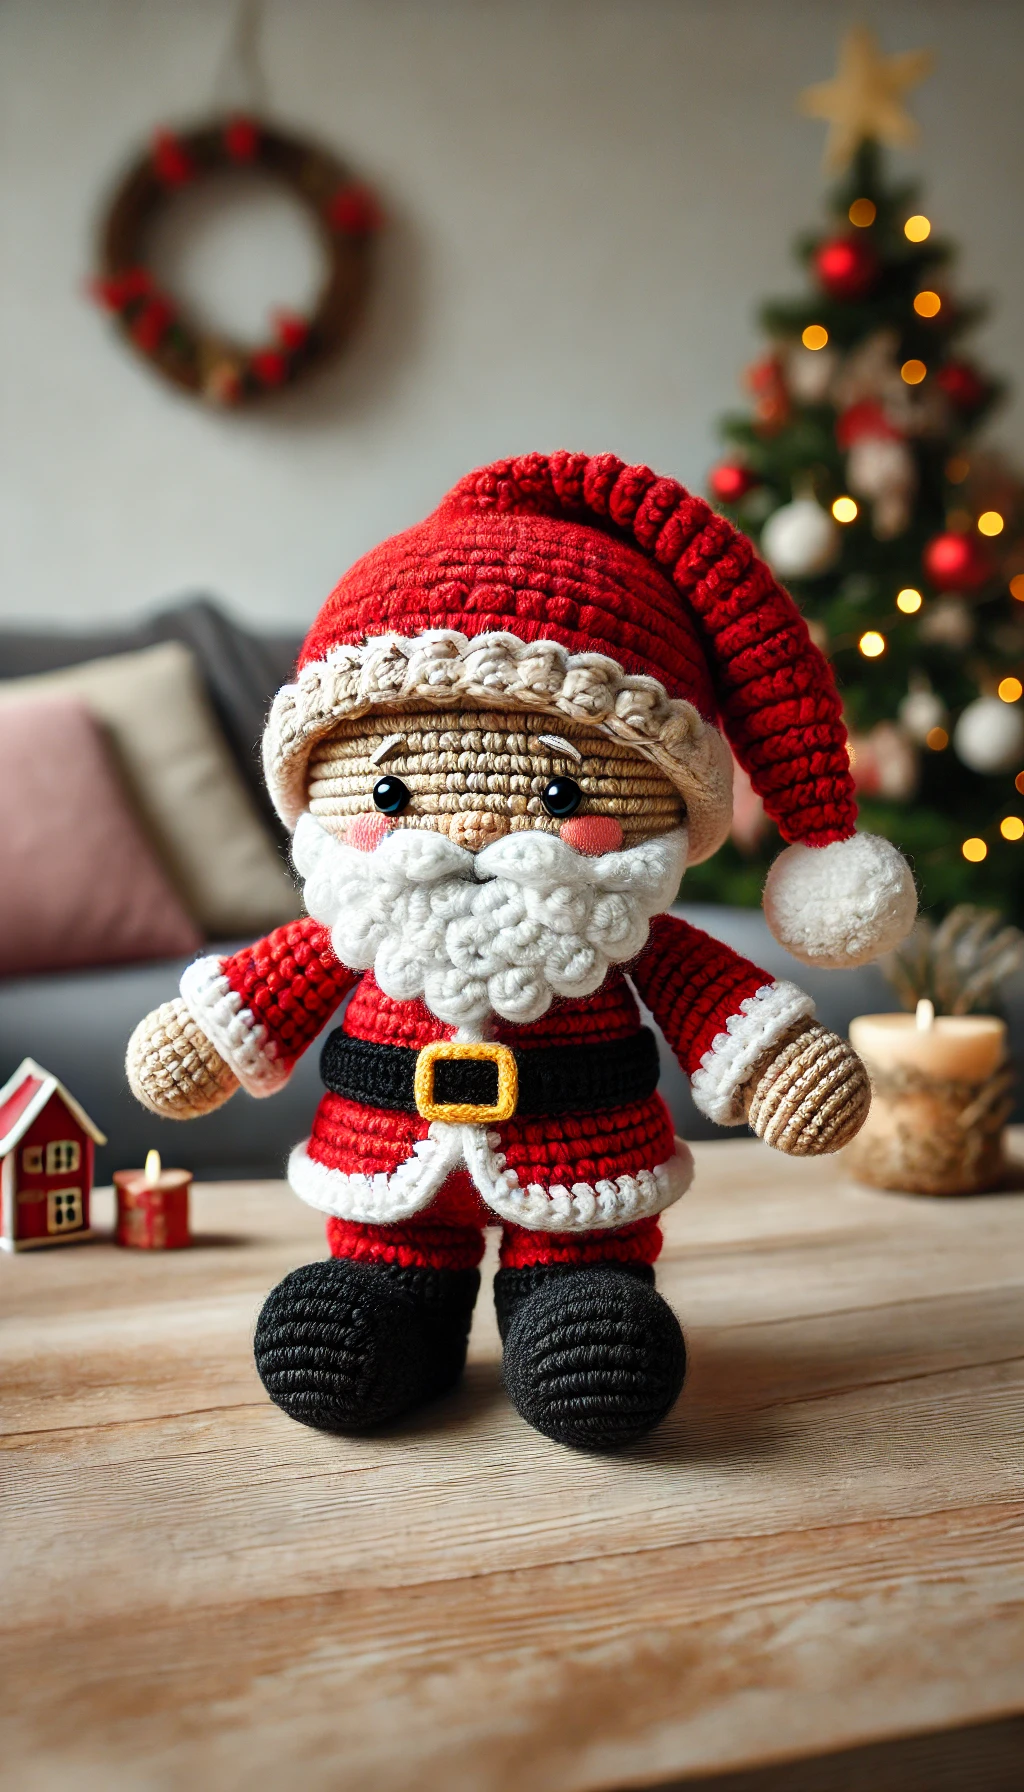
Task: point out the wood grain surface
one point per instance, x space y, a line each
823 1548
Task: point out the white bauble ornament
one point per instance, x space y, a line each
809 372
884 763
920 711
799 540
948 623
989 737
882 468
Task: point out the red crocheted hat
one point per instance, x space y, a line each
574 585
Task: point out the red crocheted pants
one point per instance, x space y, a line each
449 1234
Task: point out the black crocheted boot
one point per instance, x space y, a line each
344 1345
594 1358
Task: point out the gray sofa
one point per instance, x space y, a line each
77 1025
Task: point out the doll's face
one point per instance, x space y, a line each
481 774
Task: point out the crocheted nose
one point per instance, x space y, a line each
476 828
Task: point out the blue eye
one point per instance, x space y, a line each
562 797
390 796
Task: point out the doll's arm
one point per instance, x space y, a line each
750 1045
241 1020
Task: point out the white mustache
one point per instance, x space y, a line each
531 857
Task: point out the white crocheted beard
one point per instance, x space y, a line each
503 931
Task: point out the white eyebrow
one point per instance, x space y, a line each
561 746
384 749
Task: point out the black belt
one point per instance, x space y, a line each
489 1082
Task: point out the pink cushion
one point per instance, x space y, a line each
79 884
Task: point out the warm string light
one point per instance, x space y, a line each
936 739
844 510
990 523
1010 690
913 372
1011 827
871 644
909 600
1018 783
815 336
862 213
927 304
1017 587
957 469
974 850
918 228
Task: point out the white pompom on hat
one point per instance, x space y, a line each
840 905
573 585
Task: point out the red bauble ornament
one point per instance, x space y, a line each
730 482
956 562
962 384
767 382
847 267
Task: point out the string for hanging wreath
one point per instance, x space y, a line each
211 366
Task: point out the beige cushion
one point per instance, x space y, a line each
183 782
81 884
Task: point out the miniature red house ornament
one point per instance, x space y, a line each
46 1156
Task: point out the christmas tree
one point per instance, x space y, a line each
856 472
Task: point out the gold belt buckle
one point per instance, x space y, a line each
466 1113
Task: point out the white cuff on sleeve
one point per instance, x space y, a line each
725 1068
242 1040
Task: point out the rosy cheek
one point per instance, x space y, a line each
366 832
591 834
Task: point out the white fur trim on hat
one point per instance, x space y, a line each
444 668
840 905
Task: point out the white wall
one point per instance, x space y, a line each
588 199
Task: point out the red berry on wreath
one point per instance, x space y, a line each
241 139
172 162
847 267
290 329
151 325
269 366
962 384
731 481
956 562
355 210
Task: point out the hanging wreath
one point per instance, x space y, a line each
211 366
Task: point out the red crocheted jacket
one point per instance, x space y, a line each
720 1014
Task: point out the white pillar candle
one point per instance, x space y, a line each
959 1048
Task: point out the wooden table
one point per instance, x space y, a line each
821 1549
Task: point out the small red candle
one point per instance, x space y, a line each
152 1206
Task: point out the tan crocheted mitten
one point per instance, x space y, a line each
813 1095
173 1068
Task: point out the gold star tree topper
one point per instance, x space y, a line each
865 98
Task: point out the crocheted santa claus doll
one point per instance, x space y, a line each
508 735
